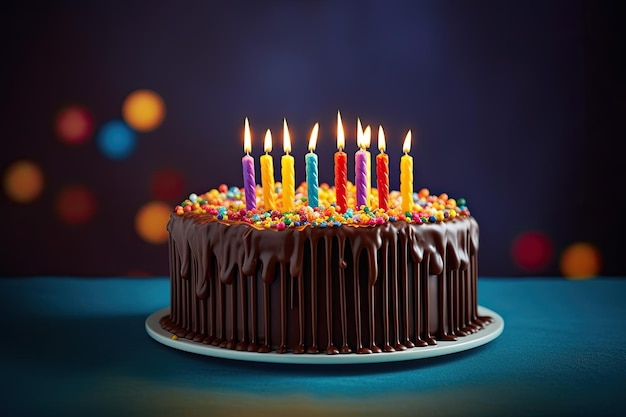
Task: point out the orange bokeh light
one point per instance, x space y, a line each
143 110
23 181
151 222
580 261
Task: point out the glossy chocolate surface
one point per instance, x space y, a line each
363 289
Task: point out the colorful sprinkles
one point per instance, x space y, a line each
227 204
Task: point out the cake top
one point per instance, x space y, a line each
227 204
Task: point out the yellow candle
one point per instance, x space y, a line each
267 174
406 175
288 172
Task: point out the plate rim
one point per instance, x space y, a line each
484 336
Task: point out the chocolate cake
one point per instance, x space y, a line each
318 280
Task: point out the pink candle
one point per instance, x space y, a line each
249 182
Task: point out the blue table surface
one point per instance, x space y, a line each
77 346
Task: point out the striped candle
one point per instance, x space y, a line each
287 172
267 174
360 169
382 172
249 182
367 140
310 160
406 175
341 169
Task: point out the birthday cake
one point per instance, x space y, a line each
314 279
340 269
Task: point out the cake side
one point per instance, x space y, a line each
361 288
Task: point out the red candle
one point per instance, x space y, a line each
341 169
382 172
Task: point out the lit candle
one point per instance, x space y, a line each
382 172
249 182
267 174
406 175
288 173
360 169
367 140
311 169
341 169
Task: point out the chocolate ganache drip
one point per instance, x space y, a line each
352 288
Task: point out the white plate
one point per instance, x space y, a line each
489 333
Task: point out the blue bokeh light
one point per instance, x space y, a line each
116 140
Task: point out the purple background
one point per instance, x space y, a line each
516 106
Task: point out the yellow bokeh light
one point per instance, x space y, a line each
580 261
151 222
143 110
23 181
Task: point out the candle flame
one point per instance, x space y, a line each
359 133
267 144
367 137
247 141
341 138
406 147
381 139
313 139
286 138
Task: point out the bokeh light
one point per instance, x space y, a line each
76 205
116 140
532 250
167 185
580 260
74 125
23 181
143 110
151 222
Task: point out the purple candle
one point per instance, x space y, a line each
360 178
249 182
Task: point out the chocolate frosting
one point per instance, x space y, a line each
395 284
